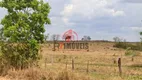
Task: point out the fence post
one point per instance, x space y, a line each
66 64
132 58
87 67
45 62
72 63
52 60
54 42
119 66
114 61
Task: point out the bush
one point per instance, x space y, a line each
18 55
125 45
131 53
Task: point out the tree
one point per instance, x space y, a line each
86 38
2 37
89 38
23 27
25 20
55 37
117 39
46 36
141 35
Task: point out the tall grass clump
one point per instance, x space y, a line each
40 74
131 53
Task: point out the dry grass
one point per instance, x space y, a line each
101 58
40 74
101 65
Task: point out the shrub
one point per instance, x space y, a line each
19 55
125 45
131 53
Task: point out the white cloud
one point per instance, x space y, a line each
99 19
68 10
136 28
132 1
91 8
116 13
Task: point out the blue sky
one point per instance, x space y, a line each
99 19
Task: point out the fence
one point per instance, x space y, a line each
87 66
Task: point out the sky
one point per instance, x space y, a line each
99 19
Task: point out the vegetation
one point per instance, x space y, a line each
20 38
101 66
55 37
46 37
131 53
119 43
126 45
86 38
40 74
22 31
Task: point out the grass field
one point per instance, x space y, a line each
100 63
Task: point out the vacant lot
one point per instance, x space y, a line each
100 63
